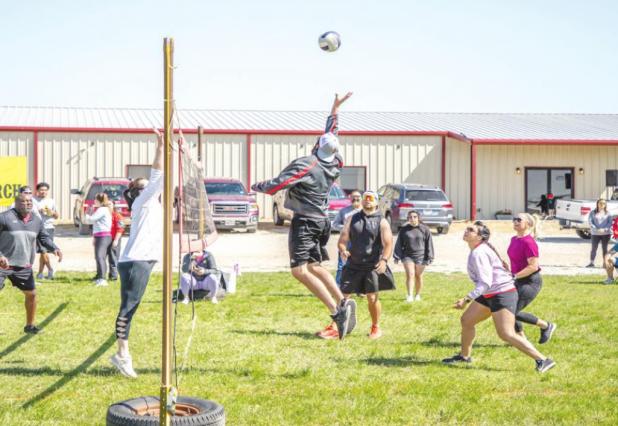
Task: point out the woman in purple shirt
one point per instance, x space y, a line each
524 255
494 295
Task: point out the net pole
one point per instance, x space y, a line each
166 399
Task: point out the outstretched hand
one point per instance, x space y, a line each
339 100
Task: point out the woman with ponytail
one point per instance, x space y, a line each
101 221
494 295
524 256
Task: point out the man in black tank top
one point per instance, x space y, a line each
368 252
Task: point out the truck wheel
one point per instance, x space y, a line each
252 229
582 233
276 218
443 229
83 229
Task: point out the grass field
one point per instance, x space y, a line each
255 353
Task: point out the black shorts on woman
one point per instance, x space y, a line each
506 300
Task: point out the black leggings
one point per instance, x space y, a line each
527 289
134 278
604 239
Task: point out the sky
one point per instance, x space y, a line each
396 55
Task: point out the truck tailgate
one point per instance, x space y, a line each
574 210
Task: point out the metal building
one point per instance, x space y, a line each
484 162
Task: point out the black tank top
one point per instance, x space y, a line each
365 240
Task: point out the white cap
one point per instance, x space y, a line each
328 147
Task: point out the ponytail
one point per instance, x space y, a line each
485 233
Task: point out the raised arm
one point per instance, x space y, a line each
293 174
338 102
157 163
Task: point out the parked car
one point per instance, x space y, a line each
84 203
396 200
231 205
336 201
574 213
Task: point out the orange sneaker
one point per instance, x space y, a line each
375 332
329 333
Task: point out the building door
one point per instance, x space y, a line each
547 180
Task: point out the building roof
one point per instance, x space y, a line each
477 126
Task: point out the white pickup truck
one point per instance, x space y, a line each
574 213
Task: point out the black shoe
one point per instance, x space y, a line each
342 319
547 333
590 265
457 358
543 365
352 304
32 329
112 279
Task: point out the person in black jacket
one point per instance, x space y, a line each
308 180
20 229
414 248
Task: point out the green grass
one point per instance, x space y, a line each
255 353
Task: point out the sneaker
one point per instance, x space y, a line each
417 298
409 299
100 283
590 265
542 365
185 301
329 333
547 333
113 278
342 319
352 324
39 276
608 281
50 274
124 365
214 300
375 332
32 329
457 358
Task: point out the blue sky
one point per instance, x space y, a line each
445 56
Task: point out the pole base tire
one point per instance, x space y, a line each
144 411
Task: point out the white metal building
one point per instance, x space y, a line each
484 162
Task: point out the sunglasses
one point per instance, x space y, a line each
517 220
369 198
356 198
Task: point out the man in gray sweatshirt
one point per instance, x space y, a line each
20 229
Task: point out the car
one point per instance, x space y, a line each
232 207
84 203
434 207
336 201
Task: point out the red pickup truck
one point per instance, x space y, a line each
231 205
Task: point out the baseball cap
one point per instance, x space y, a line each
328 147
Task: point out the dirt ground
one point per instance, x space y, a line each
562 252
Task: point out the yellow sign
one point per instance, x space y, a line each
13 174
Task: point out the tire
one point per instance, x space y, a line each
582 233
125 413
83 229
252 230
276 217
443 229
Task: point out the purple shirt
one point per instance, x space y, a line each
485 269
520 250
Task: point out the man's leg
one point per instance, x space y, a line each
30 303
327 279
316 286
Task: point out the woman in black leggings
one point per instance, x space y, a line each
524 256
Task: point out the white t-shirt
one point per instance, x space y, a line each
146 236
42 204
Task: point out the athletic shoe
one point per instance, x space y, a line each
590 265
352 324
375 332
124 365
417 298
410 299
100 283
112 278
609 281
50 274
39 276
342 319
32 329
185 301
547 333
457 358
214 300
329 333
543 365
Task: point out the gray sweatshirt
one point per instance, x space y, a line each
600 223
486 271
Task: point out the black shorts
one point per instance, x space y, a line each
307 240
22 278
363 281
417 260
39 247
506 300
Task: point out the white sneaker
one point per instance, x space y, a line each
608 281
124 365
50 274
100 283
410 299
214 299
417 298
185 301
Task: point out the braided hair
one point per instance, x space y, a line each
484 232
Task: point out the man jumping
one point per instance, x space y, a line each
308 181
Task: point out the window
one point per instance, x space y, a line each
424 195
352 178
114 191
336 193
227 188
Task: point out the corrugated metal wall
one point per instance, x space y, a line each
458 176
499 186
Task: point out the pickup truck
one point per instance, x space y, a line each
574 213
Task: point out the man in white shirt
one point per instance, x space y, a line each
142 251
46 207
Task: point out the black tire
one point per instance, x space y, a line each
124 413
582 233
83 229
443 229
276 218
252 229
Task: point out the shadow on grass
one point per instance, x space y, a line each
437 343
400 362
73 373
301 334
27 337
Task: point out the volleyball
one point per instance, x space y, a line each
329 41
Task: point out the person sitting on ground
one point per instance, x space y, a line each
611 263
199 273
